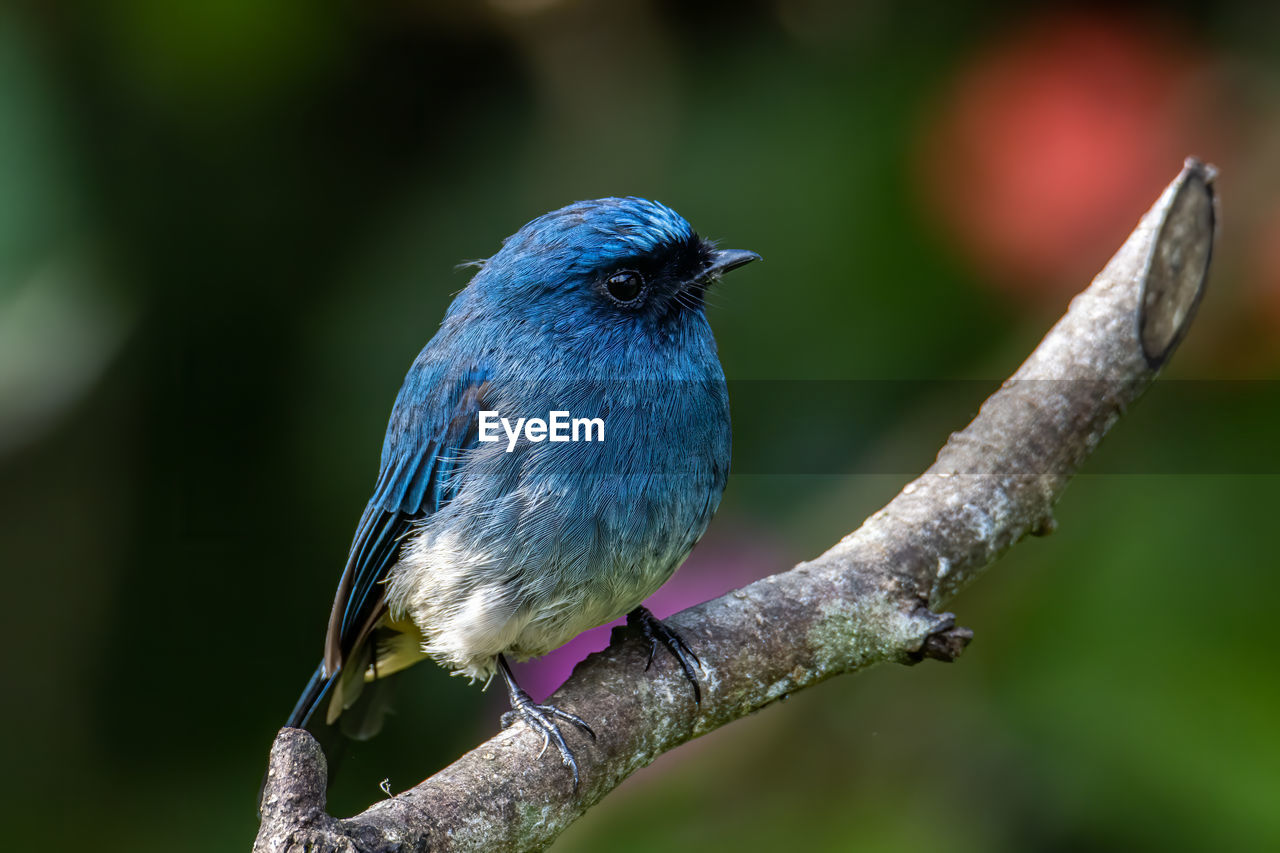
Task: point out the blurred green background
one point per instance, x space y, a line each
226 227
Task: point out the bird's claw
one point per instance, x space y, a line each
658 634
542 719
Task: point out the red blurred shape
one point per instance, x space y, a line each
1053 142
1266 263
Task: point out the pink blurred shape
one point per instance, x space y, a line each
725 560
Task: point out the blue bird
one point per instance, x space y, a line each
587 331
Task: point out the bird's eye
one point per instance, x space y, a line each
625 286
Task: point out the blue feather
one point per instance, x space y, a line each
413 482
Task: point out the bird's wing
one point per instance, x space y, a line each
434 421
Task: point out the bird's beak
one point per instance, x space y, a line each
724 260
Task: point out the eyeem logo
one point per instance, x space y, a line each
558 426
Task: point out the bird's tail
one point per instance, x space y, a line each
312 697
352 707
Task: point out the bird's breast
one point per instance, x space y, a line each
546 537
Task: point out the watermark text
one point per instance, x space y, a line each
558 426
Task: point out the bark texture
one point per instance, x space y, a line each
869 599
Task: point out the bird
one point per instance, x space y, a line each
472 551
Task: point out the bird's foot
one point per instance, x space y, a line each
658 634
542 719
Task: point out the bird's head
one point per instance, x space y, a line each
616 260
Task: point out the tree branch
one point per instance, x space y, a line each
868 600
